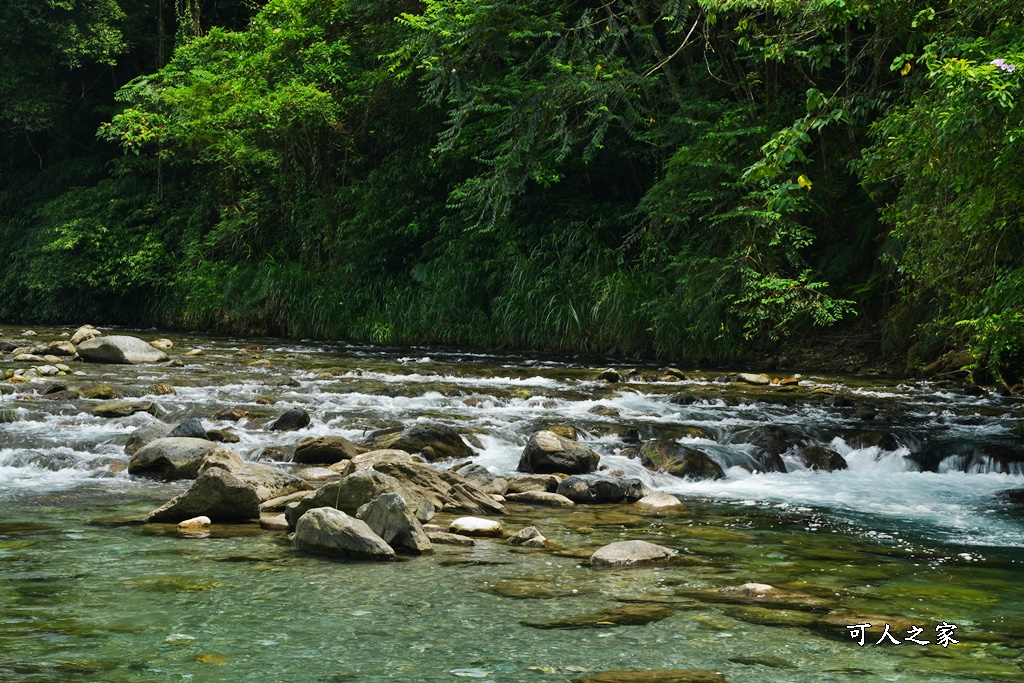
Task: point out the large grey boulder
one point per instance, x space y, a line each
181 458
217 494
592 488
389 517
325 450
770 442
629 553
332 532
270 482
146 435
356 490
681 461
432 441
546 453
119 349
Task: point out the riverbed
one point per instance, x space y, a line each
919 535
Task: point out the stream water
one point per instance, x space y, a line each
914 536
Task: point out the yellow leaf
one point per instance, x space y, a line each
906 69
803 182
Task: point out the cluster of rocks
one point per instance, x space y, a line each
86 344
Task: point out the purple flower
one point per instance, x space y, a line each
1001 63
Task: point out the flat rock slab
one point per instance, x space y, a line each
475 526
655 676
120 349
124 408
630 553
443 538
540 498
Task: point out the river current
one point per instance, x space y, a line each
916 536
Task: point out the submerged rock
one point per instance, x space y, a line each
432 441
444 538
627 615
680 461
761 594
325 450
865 438
655 676
181 458
589 488
630 553
389 517
120 349
332 532
546 452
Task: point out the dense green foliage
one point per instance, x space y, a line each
689 180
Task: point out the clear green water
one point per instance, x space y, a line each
87 596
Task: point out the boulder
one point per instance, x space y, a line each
332 532
679 461
162 344
84 333
181 458
95 390
770 442
195 523
120 349
566 431
145 435
629 553
611 376
546 452
222 436
529 537
389 517
270 482
660 502
356 490
290 421
217 494
753 378
540 498
532 482
377 458
867 438
432 441
446 490
124 408
821 458
592 488
483 479
475 526
59 348
325 450
191 428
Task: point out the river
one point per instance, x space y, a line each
917 535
